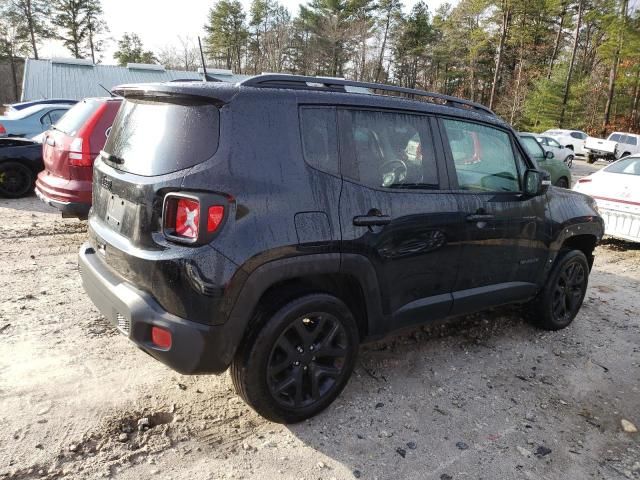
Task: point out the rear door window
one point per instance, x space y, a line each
158 136
384 149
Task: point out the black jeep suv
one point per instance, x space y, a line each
273 225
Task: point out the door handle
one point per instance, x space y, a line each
478 217
371 220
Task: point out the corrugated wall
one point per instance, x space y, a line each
47 79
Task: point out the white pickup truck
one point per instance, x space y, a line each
599 148
617 145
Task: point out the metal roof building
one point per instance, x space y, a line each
76 78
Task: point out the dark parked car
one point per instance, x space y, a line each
20 162
44 101
69 149
274 225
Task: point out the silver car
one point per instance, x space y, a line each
31 121
561 153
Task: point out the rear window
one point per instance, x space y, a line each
157 136
627 166
77 116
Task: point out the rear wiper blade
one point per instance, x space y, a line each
111 158
410 185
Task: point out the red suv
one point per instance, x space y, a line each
69 149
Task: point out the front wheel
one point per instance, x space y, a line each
562 183
16 180
560 300
569 161
298 359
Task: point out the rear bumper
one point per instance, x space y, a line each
196 348
71 197
619 221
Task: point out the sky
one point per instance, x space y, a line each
160 22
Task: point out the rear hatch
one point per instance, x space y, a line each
58 141
154 141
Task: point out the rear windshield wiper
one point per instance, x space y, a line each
111 158
411 185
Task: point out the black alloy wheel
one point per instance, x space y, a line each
569 290
16 180
307 360
297 357
561 298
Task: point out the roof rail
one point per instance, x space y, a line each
278 80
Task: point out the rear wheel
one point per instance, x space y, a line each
562 182
560 300
569 161
625 154
298 359
591 159
16 180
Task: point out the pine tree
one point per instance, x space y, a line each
69 18
131 50
227 34
30 15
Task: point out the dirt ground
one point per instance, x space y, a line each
486 396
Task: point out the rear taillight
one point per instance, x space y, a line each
584 180
2 129
191 219
187 218
80 153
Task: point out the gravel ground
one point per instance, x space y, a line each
486 396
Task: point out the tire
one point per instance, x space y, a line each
562 182
16 180
625 154
312 337
569 161
591 159
559 302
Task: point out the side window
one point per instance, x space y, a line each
576 135
384 149
615 137
632 140
55 115
319 142
45 120
483 156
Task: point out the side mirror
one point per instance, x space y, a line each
548 154
536 182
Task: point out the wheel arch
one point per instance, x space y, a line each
586 243
276 282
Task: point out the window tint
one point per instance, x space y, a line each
576 135
532 147
319 142
552 143
483 157
615 137
56 115
77 116
157 137
631 140
389 149
629 166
